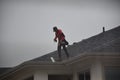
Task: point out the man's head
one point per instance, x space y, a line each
55 29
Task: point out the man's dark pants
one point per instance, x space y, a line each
59 51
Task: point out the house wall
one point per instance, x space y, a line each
97 70
43 74
95 65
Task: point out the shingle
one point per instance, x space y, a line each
2 70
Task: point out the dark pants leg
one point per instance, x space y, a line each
66 52
59 51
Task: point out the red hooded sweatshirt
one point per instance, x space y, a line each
59 34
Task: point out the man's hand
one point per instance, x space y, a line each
55 40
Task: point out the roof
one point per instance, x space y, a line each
2 70
105 42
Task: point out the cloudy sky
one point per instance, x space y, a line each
26 25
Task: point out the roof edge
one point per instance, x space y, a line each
62 63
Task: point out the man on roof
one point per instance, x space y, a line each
60 38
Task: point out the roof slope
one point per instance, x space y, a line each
3 70
109 41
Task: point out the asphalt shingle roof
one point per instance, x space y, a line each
108 41
2 70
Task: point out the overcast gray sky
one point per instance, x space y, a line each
26 25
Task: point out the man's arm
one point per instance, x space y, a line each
55 39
